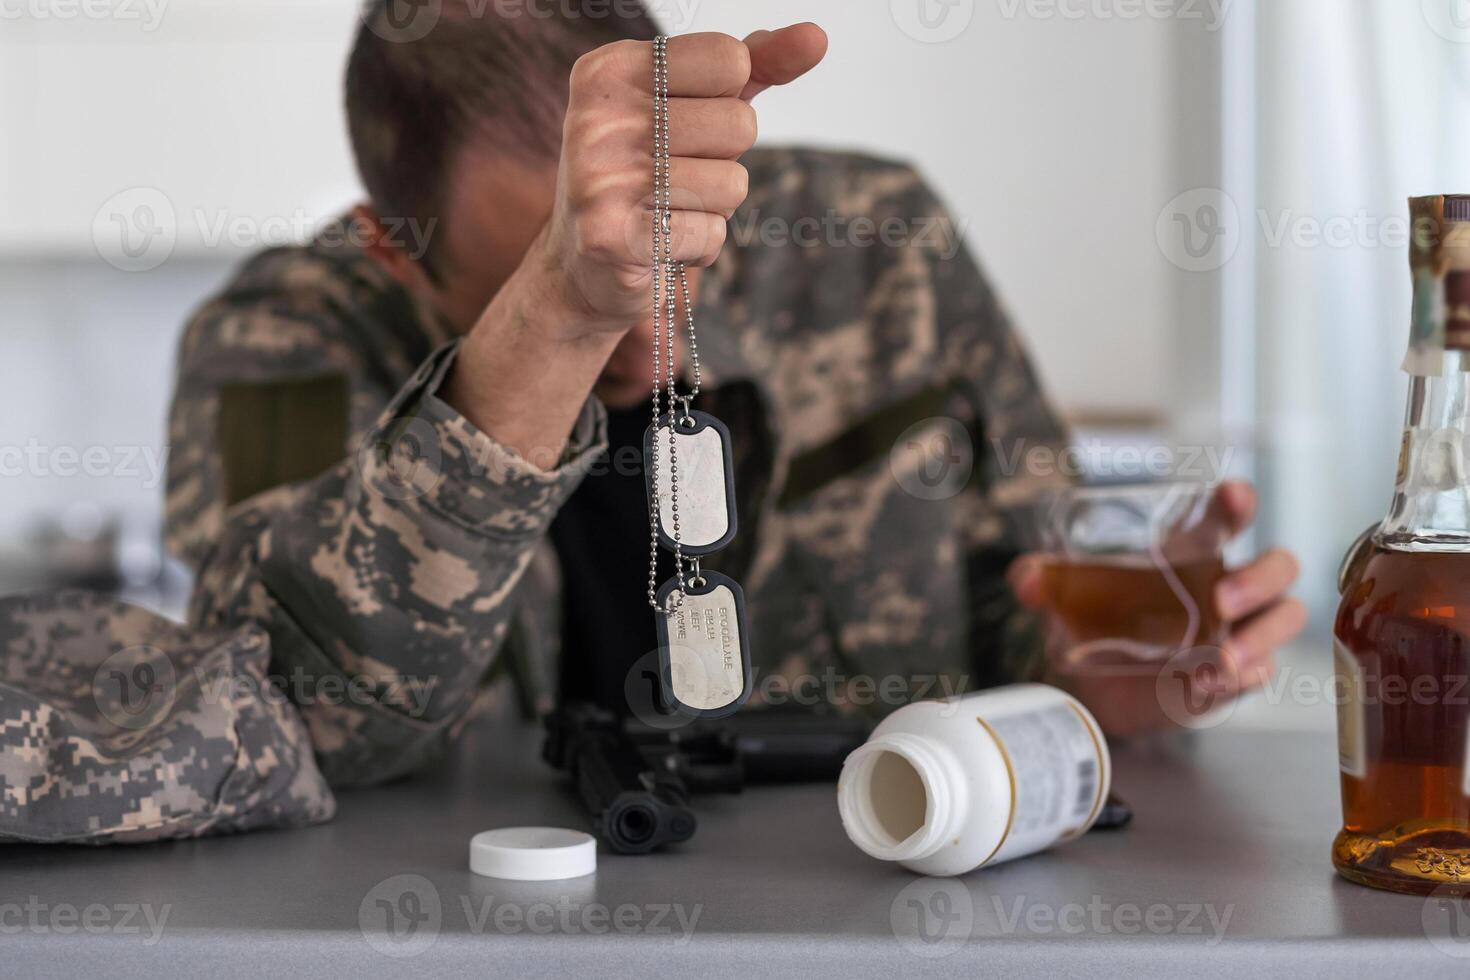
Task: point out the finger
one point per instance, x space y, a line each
1257 674
1235 503
1025 578
716 129
1252 643
696 237
716 186
1257 585
779 57
706 66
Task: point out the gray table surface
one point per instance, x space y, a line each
1224 872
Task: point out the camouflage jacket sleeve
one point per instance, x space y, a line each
388 584
1017 442
276 375
119 726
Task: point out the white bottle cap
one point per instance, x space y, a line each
533 853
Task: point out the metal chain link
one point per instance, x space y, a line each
669 282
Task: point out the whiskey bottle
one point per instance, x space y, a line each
1402 634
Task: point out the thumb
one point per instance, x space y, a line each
778 57
1025 579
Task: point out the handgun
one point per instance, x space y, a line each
636 779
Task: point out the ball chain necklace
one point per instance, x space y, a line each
704 657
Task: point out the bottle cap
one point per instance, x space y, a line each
533 853
1457 207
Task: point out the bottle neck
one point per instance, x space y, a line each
1431 499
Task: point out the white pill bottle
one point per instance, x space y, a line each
947 786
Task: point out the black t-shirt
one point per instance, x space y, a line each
601 538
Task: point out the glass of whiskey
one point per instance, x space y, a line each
1129 574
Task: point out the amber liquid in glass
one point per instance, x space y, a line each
1403 686
1129 597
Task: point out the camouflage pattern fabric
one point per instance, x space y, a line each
118 725
843 327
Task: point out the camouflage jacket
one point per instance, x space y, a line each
373 554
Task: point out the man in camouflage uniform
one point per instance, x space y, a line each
371 439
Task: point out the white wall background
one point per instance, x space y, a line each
1056 139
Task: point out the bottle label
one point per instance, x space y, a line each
1465 778
1439 257
1352 752
1055 763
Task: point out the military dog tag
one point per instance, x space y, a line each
704 655
706 483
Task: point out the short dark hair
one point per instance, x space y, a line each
427 76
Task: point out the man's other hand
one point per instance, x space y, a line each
1252 599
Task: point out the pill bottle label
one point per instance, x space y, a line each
1054 762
